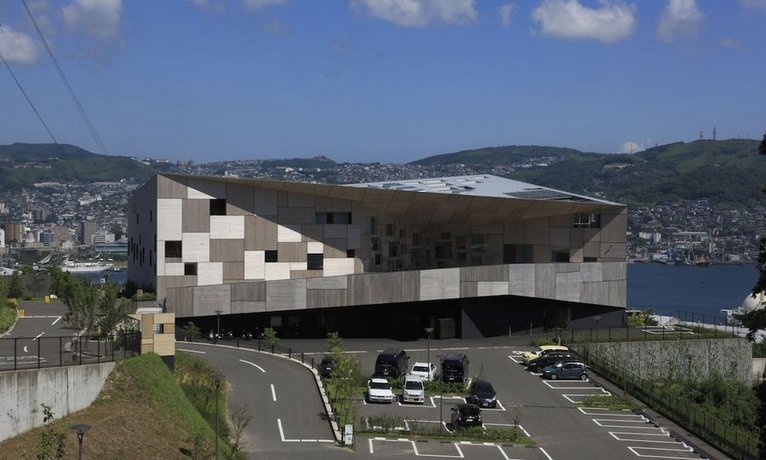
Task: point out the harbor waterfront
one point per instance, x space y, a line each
669 289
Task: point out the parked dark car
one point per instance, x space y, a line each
466 415
454 368
391 363
326 367
482 394
566 370
548 359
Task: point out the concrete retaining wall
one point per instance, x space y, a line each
65 389
731 358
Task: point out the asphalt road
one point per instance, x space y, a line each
36 337
546 410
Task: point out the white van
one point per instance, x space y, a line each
413 389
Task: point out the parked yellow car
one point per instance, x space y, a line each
539 351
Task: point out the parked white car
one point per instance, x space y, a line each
413 389
379 390
425 370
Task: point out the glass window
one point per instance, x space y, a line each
173 250
218 207
314 261
271 256
190 269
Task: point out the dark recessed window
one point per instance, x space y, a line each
320 218
561 256
393 249
377 259
314 261
218 207
373 225
272 256
350 253
375 243
190 269
150 215
590 259
592 220
173 250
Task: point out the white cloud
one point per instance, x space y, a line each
99 18
729 43
759 5
416 13
255 5
611 22
17 47
505 13
680 19
631 147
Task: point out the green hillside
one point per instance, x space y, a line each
24 164
728 172
511 154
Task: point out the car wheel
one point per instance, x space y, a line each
583 376
554 376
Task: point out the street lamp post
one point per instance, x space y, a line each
80 429
441 398
597 318
429 331
217 378
218 329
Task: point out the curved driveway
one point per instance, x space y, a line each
289 420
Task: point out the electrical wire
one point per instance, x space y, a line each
75 100
26 96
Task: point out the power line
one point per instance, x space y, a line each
78 106
26 96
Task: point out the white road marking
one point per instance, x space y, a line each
611 412
516 359
253 364
584 385
546 453
282 435
273 393
192 351
369 441
685 450
57 320
25 349
618 435
39 335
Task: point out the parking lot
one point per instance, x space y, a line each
549 411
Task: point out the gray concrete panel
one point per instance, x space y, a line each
208 299
248 291
591 272
285 295
334 282
485 273
568 286
245 306
545 281
440 284
170 187
522 280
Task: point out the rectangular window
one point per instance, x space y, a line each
518 254
377 259
443 250
173 250
314 261
389 229
582 220
150 215
590 259
272 256
561 256
401 233
373 225
416 239
375 243
350 253
393 249
218 207
477 240
343 218
190 269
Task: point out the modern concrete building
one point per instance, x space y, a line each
472 256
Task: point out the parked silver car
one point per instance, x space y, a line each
566 370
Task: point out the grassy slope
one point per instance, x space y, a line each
140 413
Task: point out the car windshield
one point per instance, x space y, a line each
413 385
420 369
380 385
483 387
452 367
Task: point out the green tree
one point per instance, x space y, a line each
271 336
3 287
16 286
112 309
190 330
81 300
51 443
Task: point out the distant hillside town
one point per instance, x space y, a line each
78 220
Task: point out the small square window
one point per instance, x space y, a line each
271 256
218 207
377 259
314 261
350 253
190 269
173 250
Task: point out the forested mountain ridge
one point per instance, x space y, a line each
22 165
727 172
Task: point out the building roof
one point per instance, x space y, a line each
485 185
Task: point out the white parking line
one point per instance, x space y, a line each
610 412
569 396
619 435
57 320
39 335
515 359
282 436
686 449
546 454
273 393
578 385
192 351
253 364
459 446
606 424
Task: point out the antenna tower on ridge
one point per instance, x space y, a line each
714 132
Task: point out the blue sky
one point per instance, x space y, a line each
381 80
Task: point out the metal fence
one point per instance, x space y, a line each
261 344
735 441
17 353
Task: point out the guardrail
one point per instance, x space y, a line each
18 353
260 344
